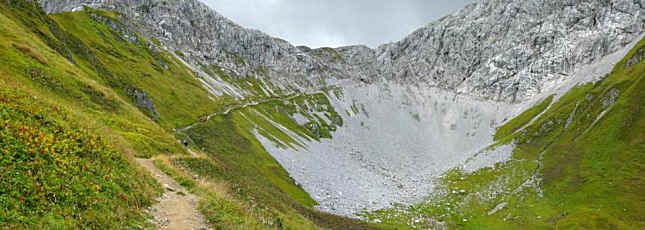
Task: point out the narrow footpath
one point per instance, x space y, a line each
238 107
177 208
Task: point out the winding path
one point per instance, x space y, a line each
238 107
177 208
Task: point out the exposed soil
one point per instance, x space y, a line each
177 208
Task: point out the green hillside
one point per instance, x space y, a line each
73 121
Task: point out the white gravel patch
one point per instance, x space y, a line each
300 119
487 158
394 150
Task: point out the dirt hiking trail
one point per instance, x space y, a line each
177 208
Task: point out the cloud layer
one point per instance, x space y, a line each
333 23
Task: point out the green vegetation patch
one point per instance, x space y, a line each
200 166
523 119
225 214
182 180
54 176
229 139
128 63
41 56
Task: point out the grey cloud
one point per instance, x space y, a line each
333 23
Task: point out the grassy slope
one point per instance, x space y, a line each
79 65
58 175
178 96
72 74
522 119
587 174
56 172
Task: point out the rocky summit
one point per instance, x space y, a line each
505 114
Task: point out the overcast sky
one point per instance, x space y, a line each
333 23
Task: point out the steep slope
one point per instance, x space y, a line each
416 111
511 50
579 165
64 143
506 50
96 73
206 39
396 139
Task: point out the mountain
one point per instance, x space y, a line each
506 114
525 45
512 50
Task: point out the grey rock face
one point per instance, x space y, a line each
506 50
144 102
207 38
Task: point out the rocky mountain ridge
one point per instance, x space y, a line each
207 39
489 49
509 50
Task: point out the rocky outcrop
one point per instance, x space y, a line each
144 102
638 57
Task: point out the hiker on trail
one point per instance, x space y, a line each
186 143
